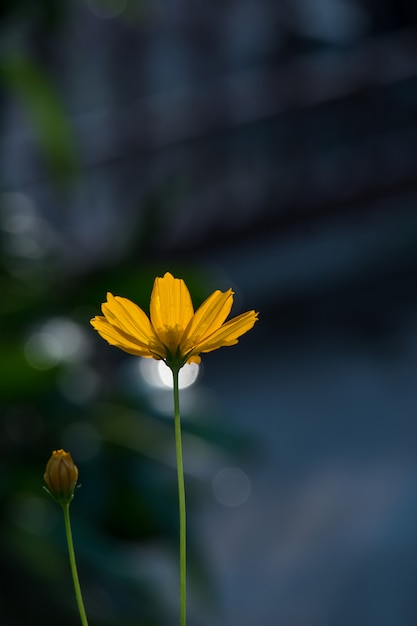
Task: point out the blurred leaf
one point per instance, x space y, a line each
27 80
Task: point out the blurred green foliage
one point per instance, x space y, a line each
25 28
26 80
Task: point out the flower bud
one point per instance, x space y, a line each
61 476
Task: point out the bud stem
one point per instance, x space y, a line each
73 564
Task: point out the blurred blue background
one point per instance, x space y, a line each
266 146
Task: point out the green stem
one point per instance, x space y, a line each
181 499
77 588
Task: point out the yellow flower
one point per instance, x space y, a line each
173 333
61 476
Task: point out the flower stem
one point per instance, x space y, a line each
77 588
181 499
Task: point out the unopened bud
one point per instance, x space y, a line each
61 475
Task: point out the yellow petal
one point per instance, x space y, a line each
194 359
129 317
126 326
116 337
171 309
228 334
207 319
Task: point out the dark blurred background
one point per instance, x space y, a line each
265 146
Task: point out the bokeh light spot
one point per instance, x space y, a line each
157 374
43 351
72 338
231 486
107 9
58 340
17 213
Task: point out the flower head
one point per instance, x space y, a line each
173 332
61 475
